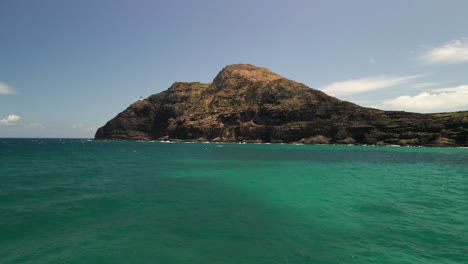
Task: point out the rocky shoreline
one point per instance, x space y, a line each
251 104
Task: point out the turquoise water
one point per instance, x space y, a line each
79 201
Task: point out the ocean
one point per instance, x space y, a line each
84 201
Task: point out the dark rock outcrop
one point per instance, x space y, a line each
251 104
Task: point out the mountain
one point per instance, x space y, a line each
245 103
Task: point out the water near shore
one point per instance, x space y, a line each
79 201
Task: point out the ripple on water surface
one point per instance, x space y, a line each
79 201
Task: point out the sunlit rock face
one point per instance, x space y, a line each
245 103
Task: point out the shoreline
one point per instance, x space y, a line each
279 143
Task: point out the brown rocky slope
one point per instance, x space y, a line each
246 103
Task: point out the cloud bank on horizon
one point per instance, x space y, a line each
448 99
428 98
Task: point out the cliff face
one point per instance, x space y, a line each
252 104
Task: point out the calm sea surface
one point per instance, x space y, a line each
79 201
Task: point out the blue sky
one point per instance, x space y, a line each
67 67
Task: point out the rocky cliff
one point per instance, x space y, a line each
252 104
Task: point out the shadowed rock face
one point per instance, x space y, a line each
252 104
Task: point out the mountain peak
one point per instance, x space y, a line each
247 72
253 104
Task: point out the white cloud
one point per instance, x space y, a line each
436 100
454 52
10 119
460 89
372 61
366 84
5 89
